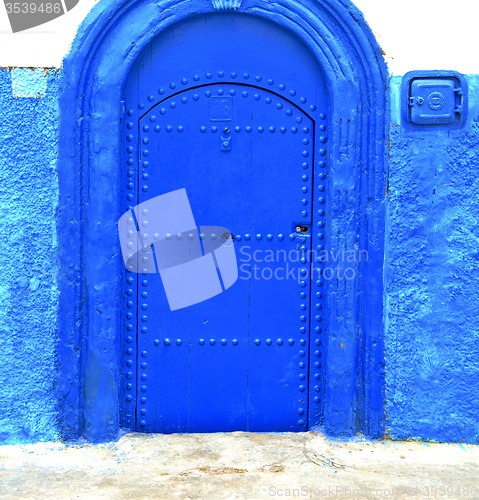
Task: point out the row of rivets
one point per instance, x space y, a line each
232 92
269 237
212 236
144 303
247 129
130 291
221 74
145 164
302 377
179 342
318 372
144 224
303 295
304 189
202 236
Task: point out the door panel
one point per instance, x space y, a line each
238 361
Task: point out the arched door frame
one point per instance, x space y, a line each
109 42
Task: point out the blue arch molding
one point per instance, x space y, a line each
109 42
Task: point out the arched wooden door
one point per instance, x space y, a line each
243 138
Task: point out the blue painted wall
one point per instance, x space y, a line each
28 260
432 278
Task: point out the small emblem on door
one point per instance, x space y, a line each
436 100
221 109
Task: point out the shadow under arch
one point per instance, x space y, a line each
108 43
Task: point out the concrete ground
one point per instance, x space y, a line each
239 465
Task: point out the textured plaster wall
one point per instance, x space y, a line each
432 279
28 257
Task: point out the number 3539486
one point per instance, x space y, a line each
33 8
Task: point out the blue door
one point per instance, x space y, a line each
244 154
